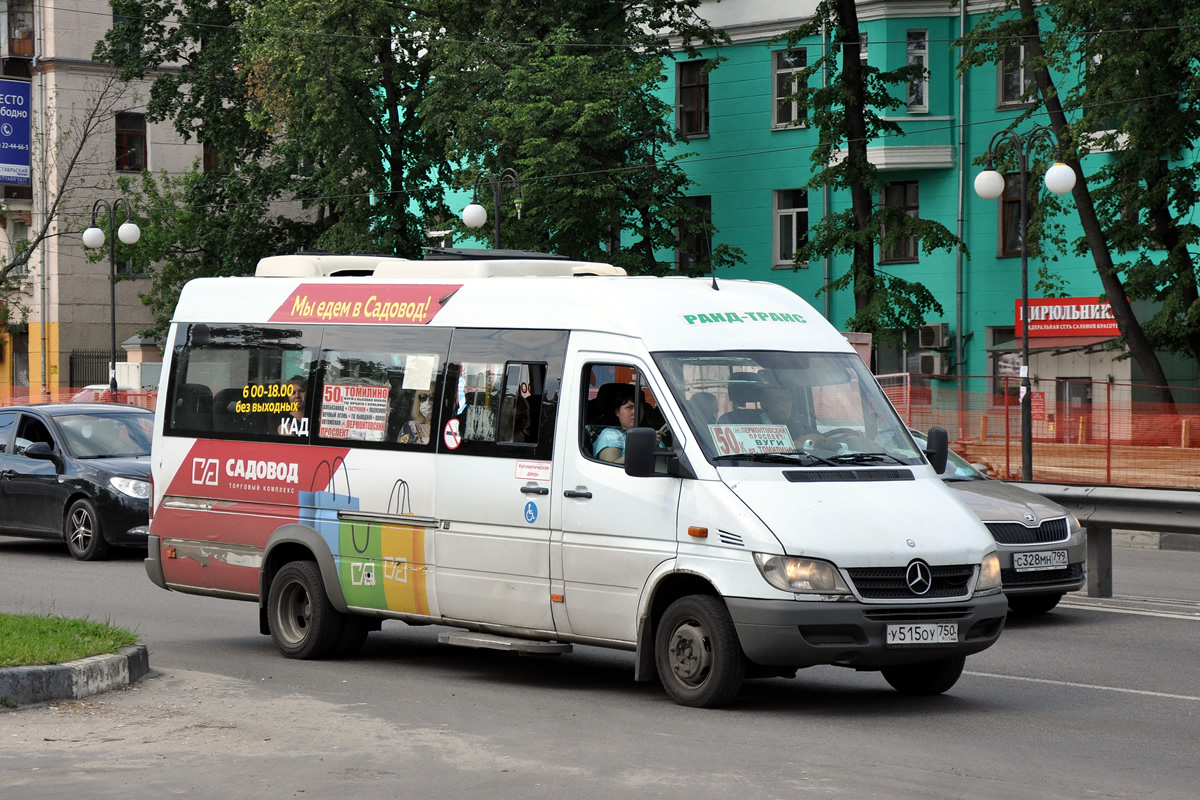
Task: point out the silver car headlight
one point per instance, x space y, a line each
989 574
129 487
1073 524
803 575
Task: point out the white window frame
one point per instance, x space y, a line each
783 213
798 116
918 56
1024 76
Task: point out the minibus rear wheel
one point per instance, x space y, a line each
928 678
696 650
304 624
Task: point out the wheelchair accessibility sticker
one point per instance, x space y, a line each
531 512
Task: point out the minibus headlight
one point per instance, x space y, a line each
131 488
989 573
805 575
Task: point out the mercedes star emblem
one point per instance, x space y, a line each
918 578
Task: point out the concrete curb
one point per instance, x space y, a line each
73 680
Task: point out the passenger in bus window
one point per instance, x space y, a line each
290 425
416 430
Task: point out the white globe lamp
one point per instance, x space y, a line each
93 237
474 215
989 184
128 233
1060 178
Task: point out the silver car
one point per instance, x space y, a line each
1042 547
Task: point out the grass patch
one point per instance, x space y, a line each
27 641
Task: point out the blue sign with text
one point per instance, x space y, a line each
14 131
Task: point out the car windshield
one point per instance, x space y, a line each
957 467
107 436
771 407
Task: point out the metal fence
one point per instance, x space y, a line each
90 367
1084 432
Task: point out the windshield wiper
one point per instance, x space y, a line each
776 458
864 458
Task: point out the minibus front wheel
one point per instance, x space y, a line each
926 678
696 650
304 624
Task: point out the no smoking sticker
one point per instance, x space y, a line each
451 436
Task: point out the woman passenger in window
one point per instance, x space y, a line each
416 430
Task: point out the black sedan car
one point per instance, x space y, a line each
76 471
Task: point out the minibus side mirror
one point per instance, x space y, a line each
641 445
937 449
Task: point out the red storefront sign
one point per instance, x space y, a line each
1067 316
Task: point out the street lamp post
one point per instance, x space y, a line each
475 215
989 185
93 237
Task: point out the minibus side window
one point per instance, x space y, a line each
244 382
607 389
502 393
379 387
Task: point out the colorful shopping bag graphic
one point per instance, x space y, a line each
319 507
382 565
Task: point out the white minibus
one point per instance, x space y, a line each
538 453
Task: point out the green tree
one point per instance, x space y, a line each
1140 109
568 94
847 114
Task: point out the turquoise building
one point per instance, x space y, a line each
751 161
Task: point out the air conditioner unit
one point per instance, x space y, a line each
935 336
935 363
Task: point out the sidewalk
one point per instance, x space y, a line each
1156 541
74 679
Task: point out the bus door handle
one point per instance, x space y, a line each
534 490
584 494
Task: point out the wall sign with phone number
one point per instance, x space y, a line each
742 439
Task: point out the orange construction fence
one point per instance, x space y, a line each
1084 432
20 397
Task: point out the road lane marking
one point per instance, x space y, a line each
1075 685
1094 606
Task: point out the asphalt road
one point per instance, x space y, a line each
1096 699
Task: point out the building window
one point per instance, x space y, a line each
692 79
788 109
791 225
212 161
131 142
1015 78
1010 216
862 47
903 196
695 238
918 88
18 240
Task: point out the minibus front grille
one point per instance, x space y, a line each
1052 530
842 475
883 583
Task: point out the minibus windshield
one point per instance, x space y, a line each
772 407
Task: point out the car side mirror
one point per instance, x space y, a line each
43 452
937 449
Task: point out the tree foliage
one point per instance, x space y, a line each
847 113
365 113
569 96
1119 80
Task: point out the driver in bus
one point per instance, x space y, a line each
291 423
